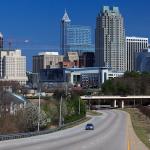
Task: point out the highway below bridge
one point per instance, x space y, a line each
116 101
113 131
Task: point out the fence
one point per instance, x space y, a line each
30 134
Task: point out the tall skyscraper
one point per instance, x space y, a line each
1 40
134 45
110 39
13 66
65 23
75 37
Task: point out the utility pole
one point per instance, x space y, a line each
60 112
79 106
39 110
134 95
39 102
66 90
89 104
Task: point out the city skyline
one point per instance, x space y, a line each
74 74
44 34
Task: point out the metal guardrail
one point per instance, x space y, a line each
30 134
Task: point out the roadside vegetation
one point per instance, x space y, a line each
141 125
70 105
132 83
27 118
24 120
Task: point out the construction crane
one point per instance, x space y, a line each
9 42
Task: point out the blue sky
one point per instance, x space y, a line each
39 20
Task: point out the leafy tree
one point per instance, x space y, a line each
132 74
73 108
133 83
31 117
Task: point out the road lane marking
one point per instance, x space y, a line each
131 140
129 145
128 135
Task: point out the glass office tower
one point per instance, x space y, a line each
75 37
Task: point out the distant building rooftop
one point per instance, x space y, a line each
136 37
112 9
12 97
48 53
1 35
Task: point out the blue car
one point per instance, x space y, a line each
89 126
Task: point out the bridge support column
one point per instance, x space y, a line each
114 103
122 104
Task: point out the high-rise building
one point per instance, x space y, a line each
143 61
87 59
13 66
65 23
110 39
134 45
1 40
75 37
46 60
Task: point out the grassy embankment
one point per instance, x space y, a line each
141 125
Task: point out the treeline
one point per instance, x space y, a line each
132 83
145 110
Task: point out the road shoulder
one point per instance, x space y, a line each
133 141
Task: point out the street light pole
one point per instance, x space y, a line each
39 100
60 112
66 89
79 106
39 108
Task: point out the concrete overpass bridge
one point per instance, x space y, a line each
114 100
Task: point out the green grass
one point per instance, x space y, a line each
72 118
141 125
77 123
93 113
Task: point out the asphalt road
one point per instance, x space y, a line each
110 133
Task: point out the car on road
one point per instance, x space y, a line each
89 126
